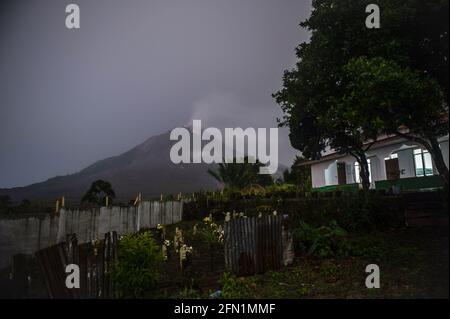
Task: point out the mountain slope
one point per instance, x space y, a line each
146 168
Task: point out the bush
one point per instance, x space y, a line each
353 211
211 234
139 266
323 241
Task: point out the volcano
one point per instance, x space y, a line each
145 169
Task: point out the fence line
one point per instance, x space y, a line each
95 262
124 220
32 233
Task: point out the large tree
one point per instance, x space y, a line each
401 100
413 34
98 191
299 175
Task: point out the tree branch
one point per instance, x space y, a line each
370 145
416 139
355 156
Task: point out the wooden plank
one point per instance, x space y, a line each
95 268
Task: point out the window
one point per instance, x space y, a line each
392 156
358 172
423 163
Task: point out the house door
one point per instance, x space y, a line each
342 176
392 169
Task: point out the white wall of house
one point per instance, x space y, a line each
325 173
406 163
318 174
331 177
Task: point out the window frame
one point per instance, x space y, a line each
422 158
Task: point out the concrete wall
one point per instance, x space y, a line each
31 233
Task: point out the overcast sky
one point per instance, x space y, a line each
135 69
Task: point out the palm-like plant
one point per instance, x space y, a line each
239 175
98 191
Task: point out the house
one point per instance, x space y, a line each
394 163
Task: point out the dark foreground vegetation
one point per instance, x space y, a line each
335 235
413 264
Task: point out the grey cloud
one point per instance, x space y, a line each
133 70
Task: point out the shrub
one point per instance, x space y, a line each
212 235
353 211
323 241
139 265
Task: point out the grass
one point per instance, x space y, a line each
413 264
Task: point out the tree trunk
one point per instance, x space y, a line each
438 158
364 169
364 172
432 145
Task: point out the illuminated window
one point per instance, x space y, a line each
423 163
358 172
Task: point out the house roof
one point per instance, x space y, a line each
381 142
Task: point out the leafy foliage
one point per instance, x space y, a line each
414 34
240 175
97 192
299 175
211 233
323 241
233 287
139 266
399 98
352 211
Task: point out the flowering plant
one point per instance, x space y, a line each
207 219
188 249
212 233
178 240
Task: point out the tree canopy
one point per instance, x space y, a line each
299 175
98 192
317 107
